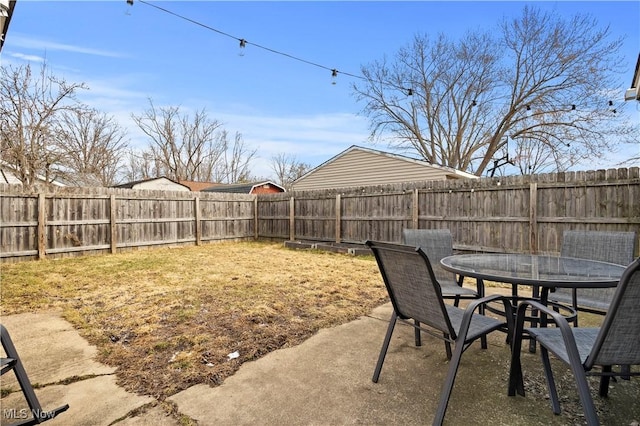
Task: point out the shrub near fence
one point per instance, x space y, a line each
66 221
506 214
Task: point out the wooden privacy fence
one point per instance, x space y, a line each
506 214
68 221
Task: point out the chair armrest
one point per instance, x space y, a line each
558 318
475 303
515 375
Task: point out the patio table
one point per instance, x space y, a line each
542 272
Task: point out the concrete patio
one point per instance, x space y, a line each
324 381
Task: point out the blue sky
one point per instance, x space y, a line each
127 54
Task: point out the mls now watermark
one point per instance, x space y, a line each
24 413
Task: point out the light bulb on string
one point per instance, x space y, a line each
243 44
334 75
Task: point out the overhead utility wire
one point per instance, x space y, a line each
243 42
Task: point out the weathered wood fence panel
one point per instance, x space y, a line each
506 214
274 214
378 216
71 221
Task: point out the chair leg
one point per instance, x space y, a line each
625 372
385 346
551 383
585 396
481 310
604 381
516 382
574 305
448 384
417 332
534 318
447 345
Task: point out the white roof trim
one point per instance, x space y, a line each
268 182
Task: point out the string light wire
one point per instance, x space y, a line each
334 71
243 42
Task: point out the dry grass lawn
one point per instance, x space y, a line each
169 318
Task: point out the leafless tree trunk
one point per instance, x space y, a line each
287 168
30 110
93 145
544 80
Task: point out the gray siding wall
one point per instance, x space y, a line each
362 168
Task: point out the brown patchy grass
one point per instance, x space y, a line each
168 318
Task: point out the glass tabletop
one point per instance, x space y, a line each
549 271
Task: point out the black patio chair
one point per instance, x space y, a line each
616 342
437 244
36 415
611 247
416 295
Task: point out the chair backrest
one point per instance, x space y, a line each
619 339
413 289
436 243
611 247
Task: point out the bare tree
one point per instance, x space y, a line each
30 110
93 145
236 158
182 148
544 80
195 149
287 168
140 165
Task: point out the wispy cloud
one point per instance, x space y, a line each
28 58
20 41
312 139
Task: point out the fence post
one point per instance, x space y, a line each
338 218
196 206
42 227
533 218
112 224
256 233
292 219
414 210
